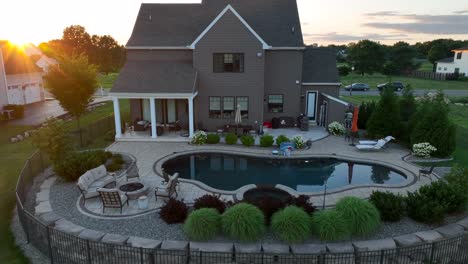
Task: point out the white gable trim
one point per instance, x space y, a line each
157 47
229 8
319 84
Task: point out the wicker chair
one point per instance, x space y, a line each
112 198
169 190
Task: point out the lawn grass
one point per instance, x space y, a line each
12 159
426 66
107 80
458 114
418 84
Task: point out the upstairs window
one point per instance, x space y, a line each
459 56
275 103
228 62
215 107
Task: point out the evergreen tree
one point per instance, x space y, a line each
385 120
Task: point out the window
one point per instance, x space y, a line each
457 70
215 107
459 56
440 68
243 103
229 108
445 68
275 103
228 62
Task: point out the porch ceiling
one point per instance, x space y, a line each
156 78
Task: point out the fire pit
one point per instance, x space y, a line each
134 190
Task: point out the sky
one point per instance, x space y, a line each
323 22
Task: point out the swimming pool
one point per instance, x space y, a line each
230 172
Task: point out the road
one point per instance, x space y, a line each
450 93
37 113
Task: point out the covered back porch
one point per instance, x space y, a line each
163 117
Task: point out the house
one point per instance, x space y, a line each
20 79
197 63
458 63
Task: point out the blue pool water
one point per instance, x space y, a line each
230 172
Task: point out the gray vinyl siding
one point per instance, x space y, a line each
336 111
229 35
160 55
333 111
282 70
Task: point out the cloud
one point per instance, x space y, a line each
334 36
461 12
425 24
383 13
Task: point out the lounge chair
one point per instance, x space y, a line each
373 142
426 173
112 198
168 190
380 144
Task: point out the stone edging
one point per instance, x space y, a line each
411 177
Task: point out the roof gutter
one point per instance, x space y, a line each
321 84
157 48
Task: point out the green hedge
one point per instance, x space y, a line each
330 225
292 224
248 140
243 222
212 139
231 139
266 141
362 216
203 224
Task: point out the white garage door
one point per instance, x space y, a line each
15 95
32 94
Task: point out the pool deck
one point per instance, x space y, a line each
149 156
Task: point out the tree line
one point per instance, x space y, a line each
103 51
368 56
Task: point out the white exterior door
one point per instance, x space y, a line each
311 108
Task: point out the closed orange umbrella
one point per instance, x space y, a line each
354 127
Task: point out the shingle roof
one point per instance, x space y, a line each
449 59
462 48
319 66
276 21
155 77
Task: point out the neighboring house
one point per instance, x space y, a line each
20 79
457 63
196 63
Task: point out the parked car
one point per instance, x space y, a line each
357 87
397 86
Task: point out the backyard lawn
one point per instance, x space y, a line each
459 115
12 158
107 80
419 84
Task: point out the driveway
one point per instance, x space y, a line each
37 113
450 93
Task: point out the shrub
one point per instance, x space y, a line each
266 141
210 201
428 211
268 206
231 139
362 216
212 139
282 138
112 167
390 206
53 139
407 104
330 225
18 110
431 124
199 138
173 212
292 224
248 140
109 136
450 196
116 158
386 118
336 129
365 111
203 224
343 70
244 222
423 150
75 164
299 142
458 178
302 202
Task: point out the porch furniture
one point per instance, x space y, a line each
380 144
169 190
8 114
132 172
143 202
112 198
373 142
426 173
239 131
92 180
140 125
253 133
232 130
175 126
134 190
286 121
166 177
220 131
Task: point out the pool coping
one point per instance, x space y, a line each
410 180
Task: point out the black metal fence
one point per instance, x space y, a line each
93 131
64 248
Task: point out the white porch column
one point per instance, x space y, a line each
118 125
190 108
153 118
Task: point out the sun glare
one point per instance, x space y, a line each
19 42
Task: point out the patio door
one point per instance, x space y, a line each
171 111
311 108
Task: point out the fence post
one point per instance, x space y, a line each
51 256
431 258
382 254
141 256
30 168
88 249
